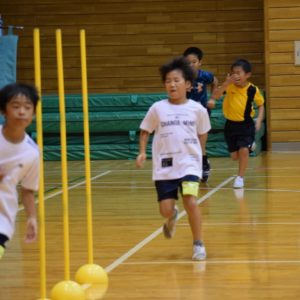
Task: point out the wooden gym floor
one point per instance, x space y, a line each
252 236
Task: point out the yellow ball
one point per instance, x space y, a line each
91 273
96 291
67 290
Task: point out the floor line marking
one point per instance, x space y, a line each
243 223
212 261
148 239
69 188
201 188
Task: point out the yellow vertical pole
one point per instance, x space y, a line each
63 140
39 126
86 146
66 289
89 273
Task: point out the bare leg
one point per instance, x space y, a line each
166 208
194 216
243 160
234 155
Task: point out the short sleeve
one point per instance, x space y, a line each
150 122
31 179
208 77
258 98
203 124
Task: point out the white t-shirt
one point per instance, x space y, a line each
176 150
20 164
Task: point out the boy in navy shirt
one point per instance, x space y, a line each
198 93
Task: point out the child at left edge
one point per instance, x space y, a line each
179 124
19 161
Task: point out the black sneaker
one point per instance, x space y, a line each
205 171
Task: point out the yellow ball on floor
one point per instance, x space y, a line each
67 290
91 273
95 291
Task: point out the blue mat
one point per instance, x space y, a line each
8 59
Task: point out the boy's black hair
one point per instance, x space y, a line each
195 51
178 63
14 89
243 63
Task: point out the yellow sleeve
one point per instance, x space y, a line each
258 98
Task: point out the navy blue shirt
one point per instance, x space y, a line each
205 78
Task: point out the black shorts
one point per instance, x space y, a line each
239 134
168 189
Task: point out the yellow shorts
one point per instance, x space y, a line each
190 188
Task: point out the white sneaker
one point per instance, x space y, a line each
169 226
252 147
238 182
199 252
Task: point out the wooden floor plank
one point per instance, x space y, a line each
252 236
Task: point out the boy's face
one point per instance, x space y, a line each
19 112
176 86
241 77
194 61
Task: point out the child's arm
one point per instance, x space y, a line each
260 117
29 206
211 103
219 91
202 138
141 158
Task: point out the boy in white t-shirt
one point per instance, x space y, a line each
19 160
179 124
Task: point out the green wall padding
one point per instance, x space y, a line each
103 102
126 151
114 126
118 121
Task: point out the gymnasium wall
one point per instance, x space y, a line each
128 40
282 23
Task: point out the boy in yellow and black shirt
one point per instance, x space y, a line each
239 112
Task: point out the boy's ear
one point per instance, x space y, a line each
188 84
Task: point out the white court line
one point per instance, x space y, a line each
69 188
243 223
145 170
259 190
272 190
201 188
207 262
152 236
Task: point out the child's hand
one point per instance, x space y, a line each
1 174
189 89
199 87
140 160
31 230
211 103
232 78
